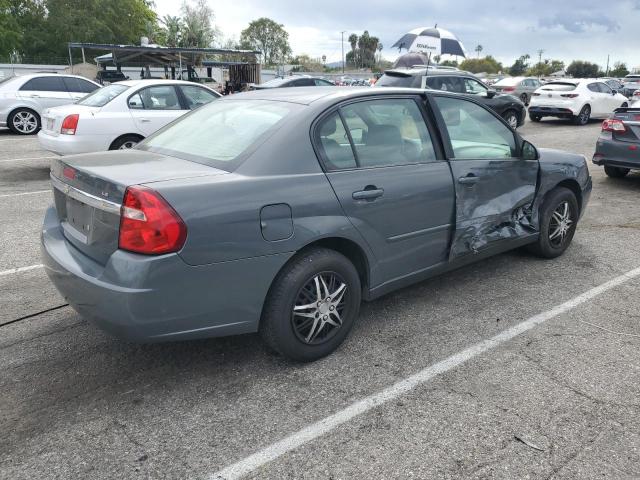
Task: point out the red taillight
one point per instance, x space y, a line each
508 89
148 224
69 173
69 124
569 95
613 125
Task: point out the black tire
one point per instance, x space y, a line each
534 118
125 142
524 99
282 329
583 117
615 172
24 121
511 117
546 246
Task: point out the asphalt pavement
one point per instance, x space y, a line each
557 397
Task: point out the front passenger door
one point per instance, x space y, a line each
494 188
153 107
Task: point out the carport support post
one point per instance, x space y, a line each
83 60
180 60
70 61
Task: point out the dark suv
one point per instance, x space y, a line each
110 76
510 108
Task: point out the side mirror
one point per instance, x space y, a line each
615 92
529 152
491 93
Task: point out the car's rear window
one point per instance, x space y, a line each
102 96
399 80
221 133
559 86
508 82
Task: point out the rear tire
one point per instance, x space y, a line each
311 305
24 121
524 99
558 220
534 118
125 142
583 117
616 172
511 118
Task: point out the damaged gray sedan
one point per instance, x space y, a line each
279 211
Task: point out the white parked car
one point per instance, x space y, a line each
119 115
576 99
23 98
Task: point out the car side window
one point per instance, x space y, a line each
474 132
446 84
44 84
593 87
159 97
305 82
388 132
334 141
473 86
604 88
77 85
196 96
322 83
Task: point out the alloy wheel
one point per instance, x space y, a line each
127 145
585 113
318 311
560 224
512 120
25 122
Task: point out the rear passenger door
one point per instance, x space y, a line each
391 181
196 96
78 88
48 91
494 187
153 107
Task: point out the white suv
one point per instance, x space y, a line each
23 98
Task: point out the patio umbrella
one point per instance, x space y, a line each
435 41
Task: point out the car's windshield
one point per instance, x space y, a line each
559 86
102 96
220 132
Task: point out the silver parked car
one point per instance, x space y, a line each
521 87
23 98
279 210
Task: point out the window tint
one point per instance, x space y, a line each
160 97
304 82
220 132
77 85
388 132
335 144
604 88
322 83
102 96
447 84
474 132
44 84
473 86
196 96
593 87
399 80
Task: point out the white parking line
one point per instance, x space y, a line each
327 424
20 269
30 158
24 193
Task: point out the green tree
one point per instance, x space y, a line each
478 49
487 64
619 70
269 37
449 63
363 50
546 67
520 66
582 69
197 29
304 63
10 31
172 27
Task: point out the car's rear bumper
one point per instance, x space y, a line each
158 298
73 144
615 153
551 111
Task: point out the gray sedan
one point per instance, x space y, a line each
278 211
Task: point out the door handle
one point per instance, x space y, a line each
470 179
145 120
370 192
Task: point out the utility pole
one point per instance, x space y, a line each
342 37
607 72
540 52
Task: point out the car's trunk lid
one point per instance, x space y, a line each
52 118
89 189
630 116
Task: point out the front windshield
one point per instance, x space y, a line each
220 132
102 96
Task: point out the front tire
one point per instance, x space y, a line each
511 118
524 99
616 172
125 142
558 220
534 118
24 121
583 117
312 305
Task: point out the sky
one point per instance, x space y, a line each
565 29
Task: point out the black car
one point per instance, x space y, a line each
618 146
294 81
110 76
508 107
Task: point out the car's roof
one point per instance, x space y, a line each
309 95
415 71
161 81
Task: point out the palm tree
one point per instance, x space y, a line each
173 27
353 40
380 47
478 50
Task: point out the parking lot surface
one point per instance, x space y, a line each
559 400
